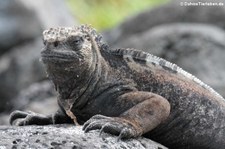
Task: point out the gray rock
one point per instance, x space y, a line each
197 48
66 136
4 119
18 69
17 24
36 96
171 12
51 13
50 104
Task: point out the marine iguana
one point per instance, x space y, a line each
126 92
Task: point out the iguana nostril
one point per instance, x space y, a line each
55 43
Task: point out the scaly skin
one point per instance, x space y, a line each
127 92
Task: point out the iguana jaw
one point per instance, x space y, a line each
58 57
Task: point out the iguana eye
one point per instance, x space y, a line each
75 42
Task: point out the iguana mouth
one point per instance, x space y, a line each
50 56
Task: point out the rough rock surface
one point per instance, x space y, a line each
198 48
171 12
66 136
17 24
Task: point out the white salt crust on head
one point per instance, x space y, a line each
62 33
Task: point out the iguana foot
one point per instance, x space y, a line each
113 125
20 118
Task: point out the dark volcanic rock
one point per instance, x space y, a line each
197 48
17 24
171 12
66 136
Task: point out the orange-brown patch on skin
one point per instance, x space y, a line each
149 110
73 117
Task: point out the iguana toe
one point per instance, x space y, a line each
112 125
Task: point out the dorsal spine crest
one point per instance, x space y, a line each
149 58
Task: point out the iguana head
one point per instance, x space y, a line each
69 47
70 55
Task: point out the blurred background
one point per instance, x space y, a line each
105 14
185 32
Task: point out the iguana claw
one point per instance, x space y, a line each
113 125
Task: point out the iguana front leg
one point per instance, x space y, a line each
149 112
21 118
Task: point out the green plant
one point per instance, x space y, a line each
107 13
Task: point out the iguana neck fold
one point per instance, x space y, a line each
86 81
